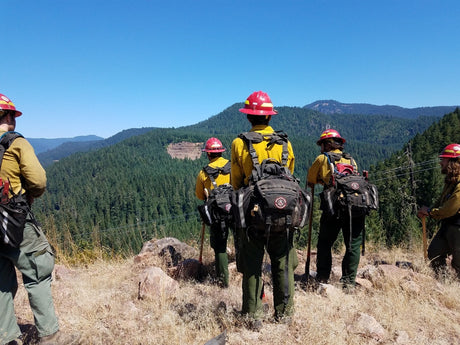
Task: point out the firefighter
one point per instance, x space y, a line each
259 110
203 187
34 258
447 210
320 172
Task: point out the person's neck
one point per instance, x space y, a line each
4 127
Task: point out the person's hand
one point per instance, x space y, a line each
424 211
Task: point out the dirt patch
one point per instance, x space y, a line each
184 150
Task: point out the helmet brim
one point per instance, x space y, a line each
211 151
321 140
258 112
17 113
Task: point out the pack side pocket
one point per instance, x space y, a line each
327 201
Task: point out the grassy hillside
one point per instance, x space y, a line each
397 306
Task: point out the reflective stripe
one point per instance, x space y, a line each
240 208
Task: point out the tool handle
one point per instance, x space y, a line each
424 239
307 263
201 244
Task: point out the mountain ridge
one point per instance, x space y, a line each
335 107
44 144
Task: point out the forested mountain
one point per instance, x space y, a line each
411 178
43 144
369 137
334 107
69 147
298 122
134 187
121 190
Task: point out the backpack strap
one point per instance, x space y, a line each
249 138
333 157
275 138
281 138
6 140
214 172
352 161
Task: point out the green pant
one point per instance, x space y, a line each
330 227
35 260
445 242
282 267
218 239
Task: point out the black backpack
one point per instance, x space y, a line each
273 202
348 190
13 210
217 207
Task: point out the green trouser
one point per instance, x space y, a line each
445 242
218 239
282 266
330 227
35 260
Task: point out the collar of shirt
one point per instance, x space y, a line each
262 129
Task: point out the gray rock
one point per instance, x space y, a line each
219 340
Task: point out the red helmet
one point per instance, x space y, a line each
258 103
329 133
6 104
213 145
451 151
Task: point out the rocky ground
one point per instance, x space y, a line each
164 295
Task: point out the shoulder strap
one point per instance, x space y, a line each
352 161
6 140
214 172
333 157
275 138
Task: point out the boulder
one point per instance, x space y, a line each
156 284
368 327
170 249
219 340
188 269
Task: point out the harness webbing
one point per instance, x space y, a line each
275 138
6 140
214 172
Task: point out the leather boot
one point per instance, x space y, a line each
60 338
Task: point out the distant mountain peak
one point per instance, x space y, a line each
335 107
329 106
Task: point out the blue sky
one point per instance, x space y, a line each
98 67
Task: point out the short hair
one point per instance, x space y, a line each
259 119
213 155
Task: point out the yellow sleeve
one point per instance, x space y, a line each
237 172
21 166
319 172
449 208
199 186
291 158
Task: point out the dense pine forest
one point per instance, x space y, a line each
411 178
121 195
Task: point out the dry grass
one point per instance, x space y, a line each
100 301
